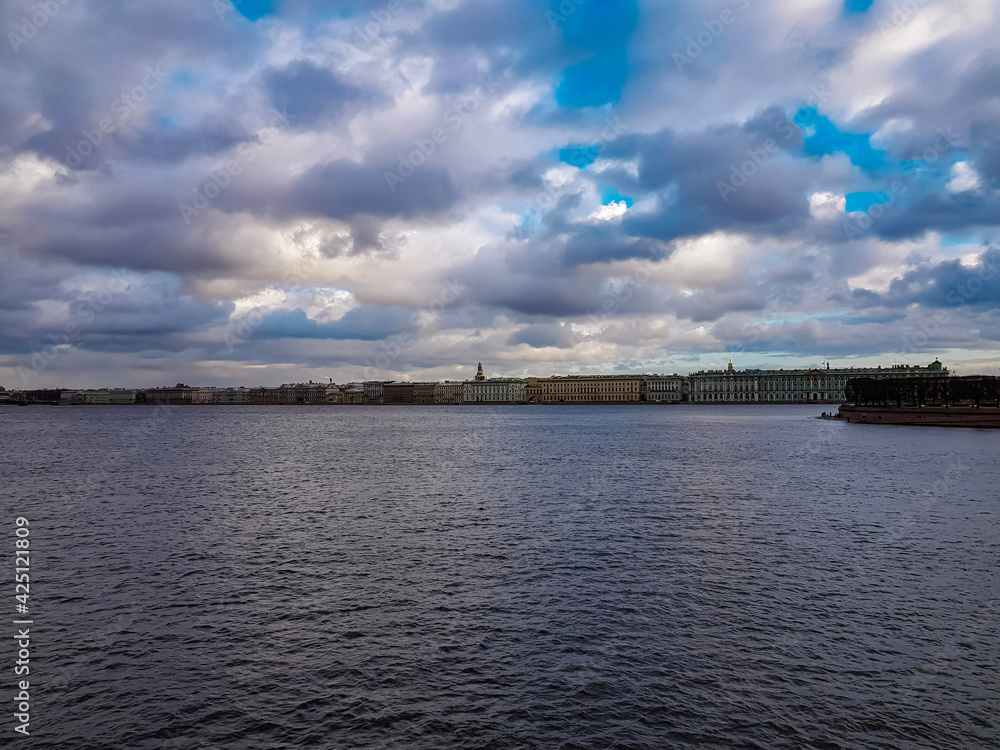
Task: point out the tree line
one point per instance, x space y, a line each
974 390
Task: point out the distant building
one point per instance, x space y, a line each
448 393
124 396
302 393
397 393
12 398
662 389
42 395
494 391
203 396
354 393
586 389
263 396
818 385
725 386
230 396
374 391
179 395
423 393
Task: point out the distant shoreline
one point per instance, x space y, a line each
473 404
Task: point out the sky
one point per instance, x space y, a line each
270 191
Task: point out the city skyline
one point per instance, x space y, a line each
266 192
486 375
822 384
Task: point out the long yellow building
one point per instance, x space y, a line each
584 389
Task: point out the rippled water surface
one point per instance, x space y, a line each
519 577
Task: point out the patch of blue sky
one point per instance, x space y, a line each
861 201
580 156
602 29
823 138
857 6
803 317
610 194
253 9
595 24
953 240
594 82
532 220
184 78
940 164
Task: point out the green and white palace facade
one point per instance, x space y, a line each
820 385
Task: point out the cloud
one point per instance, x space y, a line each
311 94
544 335
342 189
949 283
963 178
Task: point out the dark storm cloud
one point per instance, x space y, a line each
605 244
513 34
945 284
535 287
124 312
310 94
157 241
938 211
725 177
706 307
69 77
204 139
343 189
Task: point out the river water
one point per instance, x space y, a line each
504 577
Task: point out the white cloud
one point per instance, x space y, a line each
610 212
827 206
964 177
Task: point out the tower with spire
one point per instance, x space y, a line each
480 375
